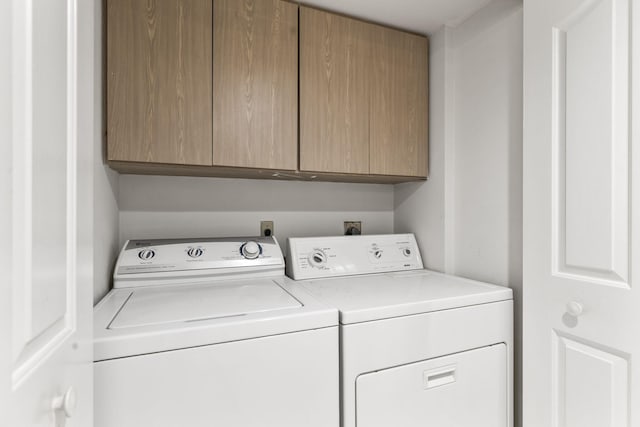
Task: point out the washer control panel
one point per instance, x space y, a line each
318 257
140 257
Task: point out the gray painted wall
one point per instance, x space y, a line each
163 206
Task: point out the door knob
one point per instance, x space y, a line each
65 403
574 308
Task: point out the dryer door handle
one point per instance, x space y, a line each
439 376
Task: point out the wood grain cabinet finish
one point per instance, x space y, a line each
363 97
210 87
255 84
159 81
399 104
334 92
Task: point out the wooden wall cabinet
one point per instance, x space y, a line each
363 97
159 81
334 92
210 87
202 82
399 104
255 84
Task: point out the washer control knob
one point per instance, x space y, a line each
406 252
377 254
317 258
146 254
250 250
195 252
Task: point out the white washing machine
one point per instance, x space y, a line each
417 348
208 332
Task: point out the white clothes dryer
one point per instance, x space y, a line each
417 348
208 332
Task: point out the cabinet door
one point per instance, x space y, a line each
159 81
334 92
255 84
399 104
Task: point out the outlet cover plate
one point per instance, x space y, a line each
264 226
352 224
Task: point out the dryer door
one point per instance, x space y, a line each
466 389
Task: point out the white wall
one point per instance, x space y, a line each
488 144
487 210
105 182
165 206
468 215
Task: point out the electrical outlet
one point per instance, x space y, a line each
352 228
266 228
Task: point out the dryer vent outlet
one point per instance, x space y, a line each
352 228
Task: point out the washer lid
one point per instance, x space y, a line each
155 306
382 296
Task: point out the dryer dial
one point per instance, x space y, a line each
317 258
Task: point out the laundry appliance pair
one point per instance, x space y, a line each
211 332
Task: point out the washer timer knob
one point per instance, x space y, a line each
406 252
146 254
250 250
195 252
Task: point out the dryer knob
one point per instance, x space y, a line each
317 258
250 250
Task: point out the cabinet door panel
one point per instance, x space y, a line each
334 92
255 84
399 104
159 81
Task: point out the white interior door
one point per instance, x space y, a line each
581 207
47 250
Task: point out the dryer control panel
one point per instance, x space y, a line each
318 257
146 262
